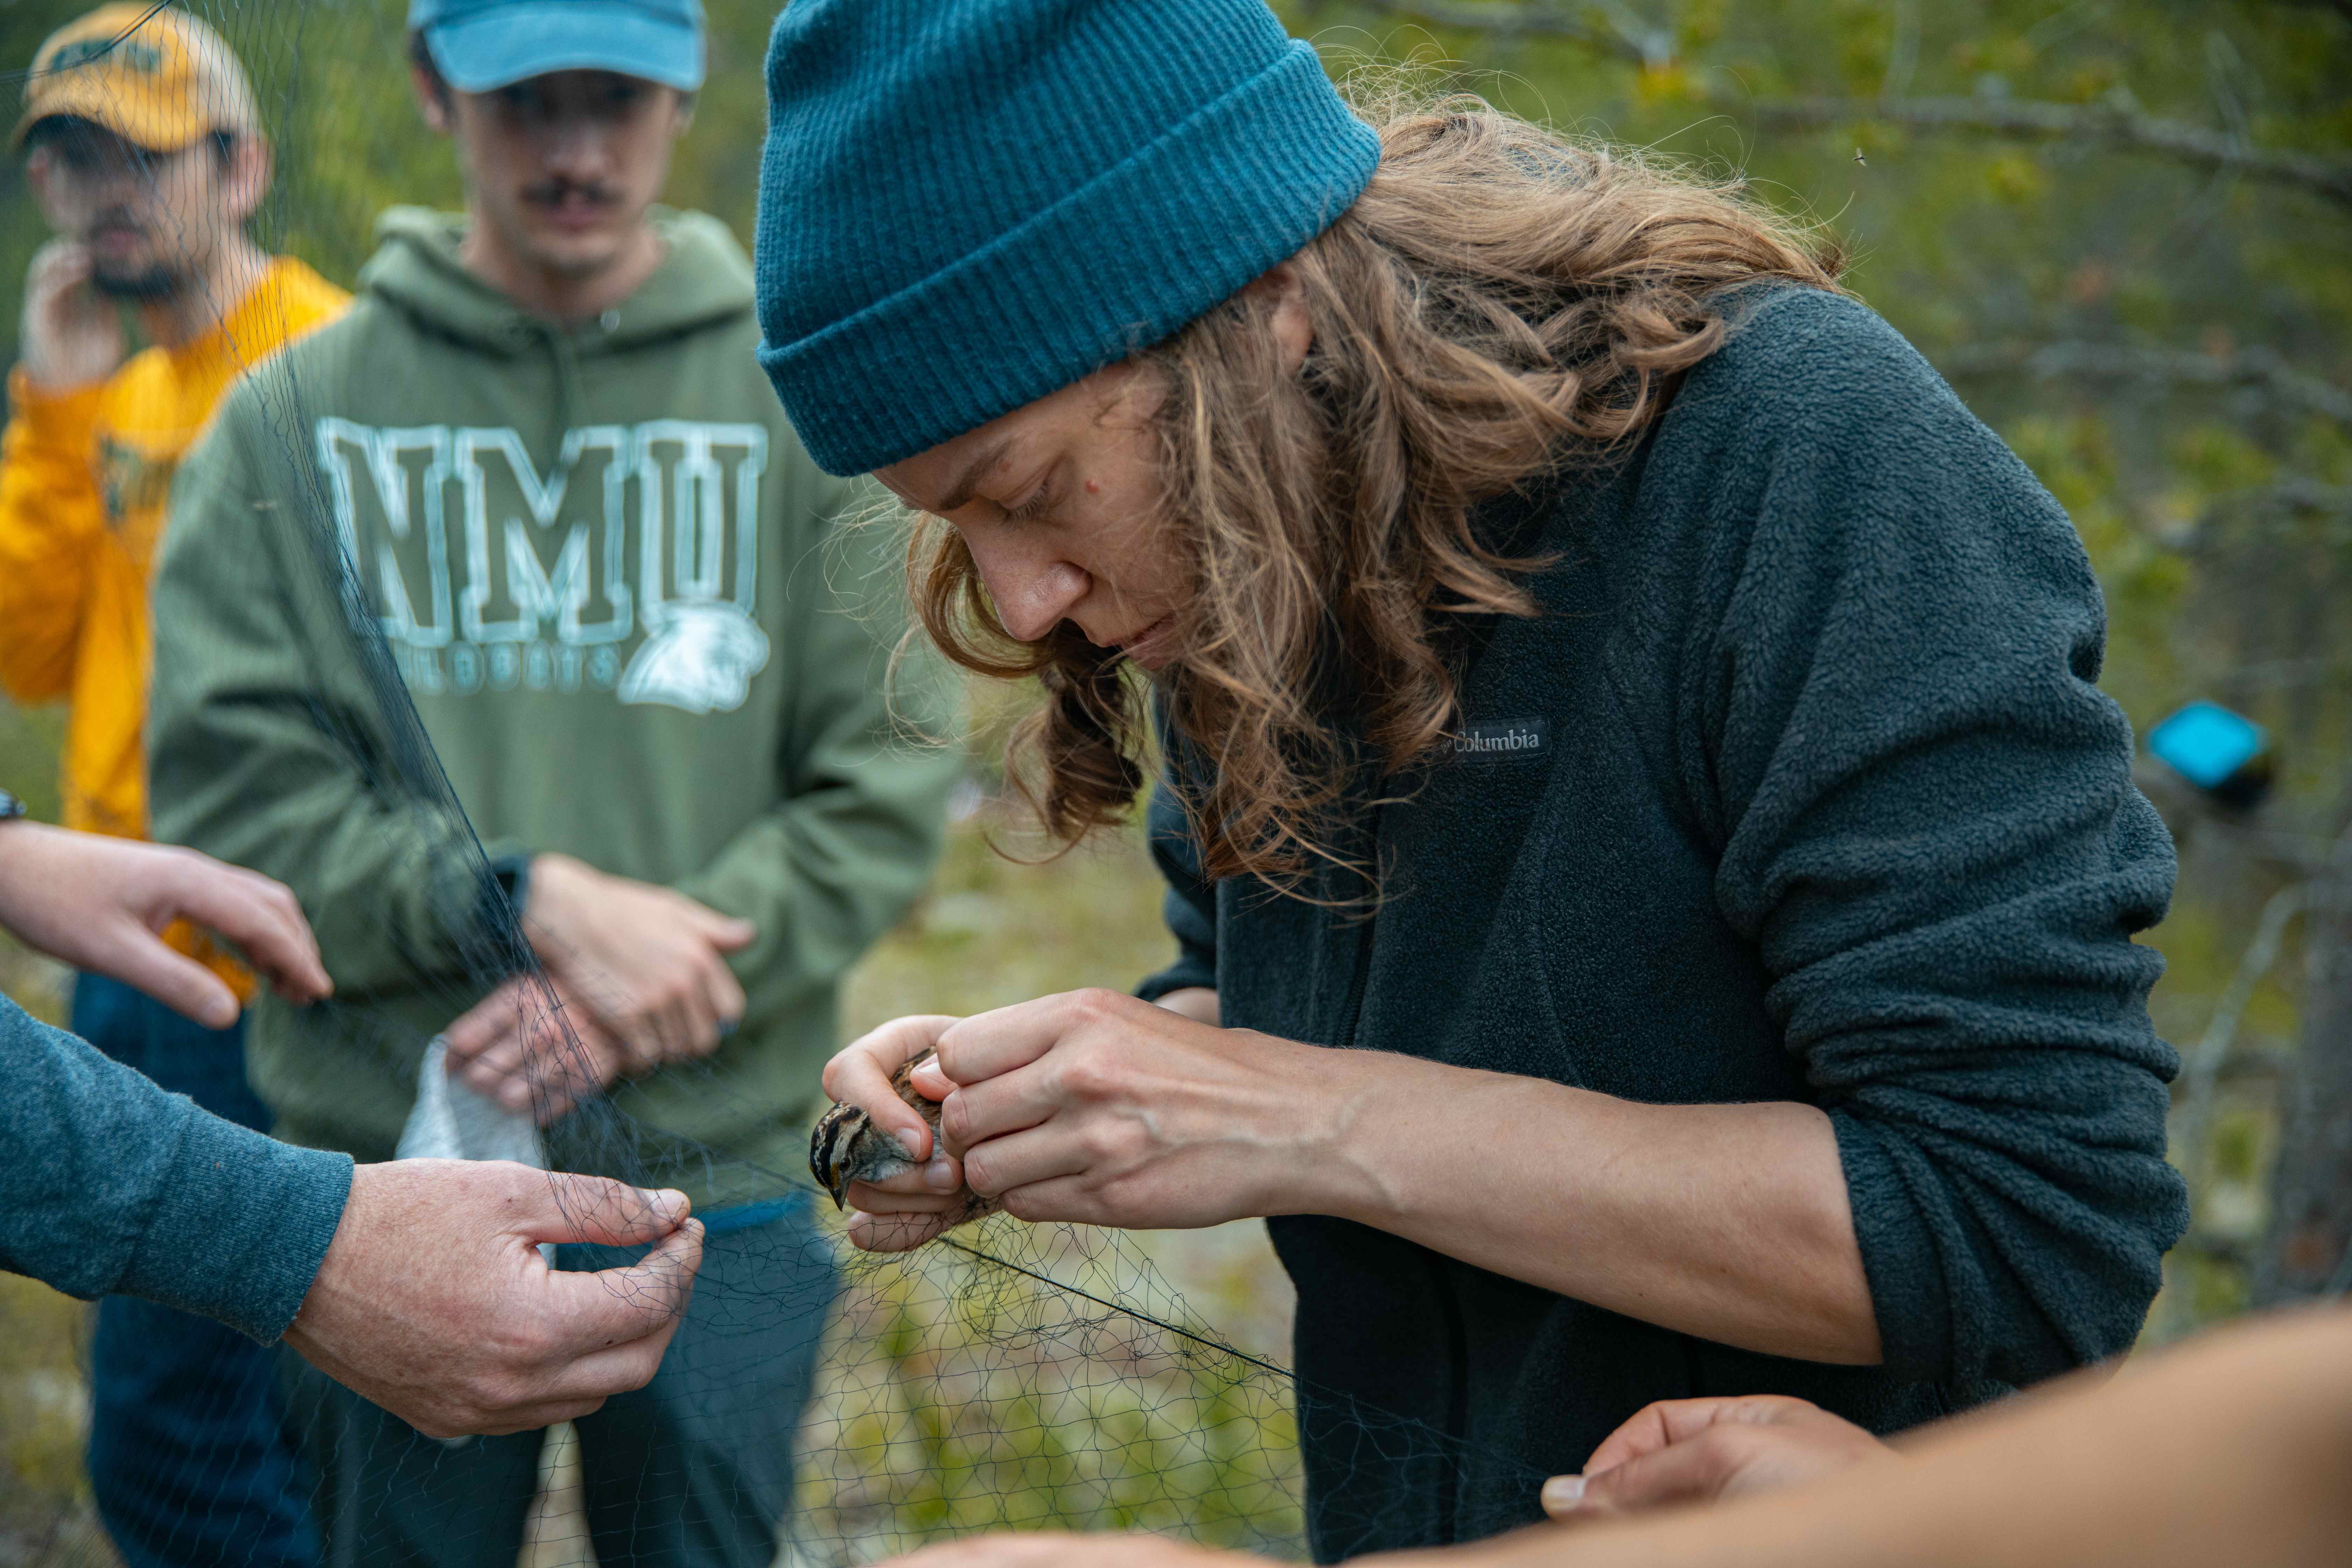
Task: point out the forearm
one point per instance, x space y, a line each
120 1187
2228 1450
1724 1221
1729 1222
1198 1002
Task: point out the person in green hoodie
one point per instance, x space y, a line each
653 665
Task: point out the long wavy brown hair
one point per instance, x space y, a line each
1501 308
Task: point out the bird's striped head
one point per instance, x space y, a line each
837 1155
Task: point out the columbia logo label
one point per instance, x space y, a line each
1502 737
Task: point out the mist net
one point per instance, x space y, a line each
421 611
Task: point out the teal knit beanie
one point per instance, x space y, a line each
966 204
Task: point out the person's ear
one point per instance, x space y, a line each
54 193
681 112
1294 328
432 99
247 180
39 165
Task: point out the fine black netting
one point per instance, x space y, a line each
414 615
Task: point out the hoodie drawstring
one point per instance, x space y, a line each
571 398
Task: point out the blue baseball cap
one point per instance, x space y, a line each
483 44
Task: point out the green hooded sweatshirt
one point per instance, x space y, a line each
613 584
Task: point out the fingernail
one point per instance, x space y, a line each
669 1202
940 1175
912 1141
1563 1491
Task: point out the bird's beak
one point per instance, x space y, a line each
823 1174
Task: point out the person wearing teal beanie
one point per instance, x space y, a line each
1653 872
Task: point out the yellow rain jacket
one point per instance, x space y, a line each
83 478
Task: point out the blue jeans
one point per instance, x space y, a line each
190 1459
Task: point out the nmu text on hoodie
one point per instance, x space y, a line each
615 589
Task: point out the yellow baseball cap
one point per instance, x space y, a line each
159 79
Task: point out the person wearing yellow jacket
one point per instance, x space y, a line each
143 144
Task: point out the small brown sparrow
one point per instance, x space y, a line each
846 1146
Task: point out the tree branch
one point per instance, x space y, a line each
1505 20
2341 7
2257 366
2110 125
2222 1249
1612 31
2303 854
2201 1066
2236 516
2291 497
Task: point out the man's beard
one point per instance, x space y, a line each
154 285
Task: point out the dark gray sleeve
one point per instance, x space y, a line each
117 1188
1931 833
1190 906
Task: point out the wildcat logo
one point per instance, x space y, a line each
657 525
701 659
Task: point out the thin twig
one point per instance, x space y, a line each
2257 366
2275 674
2114 125
2274 508
2306 854
2118 123
2204 1062
1504 20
